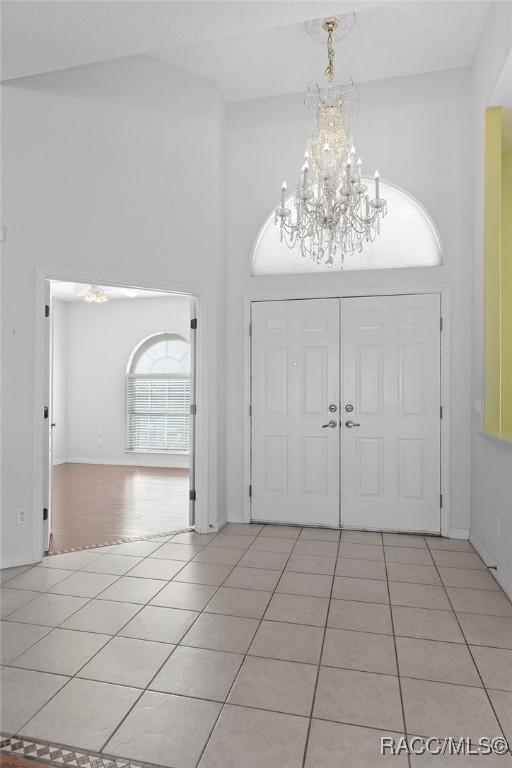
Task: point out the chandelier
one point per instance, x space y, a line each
333 214
96 295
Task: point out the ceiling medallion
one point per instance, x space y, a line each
333 213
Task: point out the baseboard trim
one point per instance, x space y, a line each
174 462
502 579
56 462
458 533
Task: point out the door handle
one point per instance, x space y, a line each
332 424
350 424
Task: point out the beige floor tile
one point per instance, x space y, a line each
479 629
219 555
179 746
190 537
441 709
358 698
12 599
198 672
460 761
320 534
467 577
365 590
62 651
129 589
171 551
102 616
282 686
408 555
362 617
231 540
458 559
269 544
81 584
361 569
495 666
253 738
83 714
70 560
437 661
403 540
114 564
9 573
361 551
359 650
48 610
163 625
312 584
298 609
204 573
242 529
38 579
221 633
310 547
250 603
336 745
287 531
502 703
289 642
22 693
361 537
253 578
136 548
155 568
180 594
452 545
16 638
426 624
311 564
484 601
127 661
419 595
262 559
415 574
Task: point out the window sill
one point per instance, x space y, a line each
157 453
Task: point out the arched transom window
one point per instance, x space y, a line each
158 395
408 238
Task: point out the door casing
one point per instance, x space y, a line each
444 294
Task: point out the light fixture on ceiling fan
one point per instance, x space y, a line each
333 212
96 295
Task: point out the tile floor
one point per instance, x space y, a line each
258 647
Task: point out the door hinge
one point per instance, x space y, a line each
192 495
441 500
193 323
193 410
47 310
250 491
45 412
440 411
250 329
440 323
45 513
250 410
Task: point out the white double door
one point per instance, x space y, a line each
345 398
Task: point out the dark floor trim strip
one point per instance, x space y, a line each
57 755
125 540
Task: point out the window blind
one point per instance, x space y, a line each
157 413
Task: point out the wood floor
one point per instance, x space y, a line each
93 503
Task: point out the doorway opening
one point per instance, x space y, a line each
119 458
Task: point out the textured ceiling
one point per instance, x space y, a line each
250 49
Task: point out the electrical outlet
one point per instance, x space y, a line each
21 516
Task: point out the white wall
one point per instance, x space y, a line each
59 381
112 170
415 130
100 340
491 487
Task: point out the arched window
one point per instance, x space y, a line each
408 238
158 395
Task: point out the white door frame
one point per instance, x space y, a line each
206 473
442 291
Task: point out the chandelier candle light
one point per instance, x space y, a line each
334 215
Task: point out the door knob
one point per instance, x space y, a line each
332 424
350 424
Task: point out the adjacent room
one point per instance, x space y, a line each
256 344
119 417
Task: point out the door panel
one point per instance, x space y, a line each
295 377
391 377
